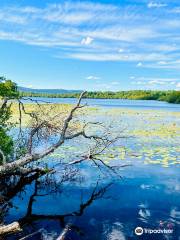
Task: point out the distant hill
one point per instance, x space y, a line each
48 91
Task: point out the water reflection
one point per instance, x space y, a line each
83 200
97 210
29 191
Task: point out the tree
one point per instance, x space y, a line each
8 91
174 97
45 124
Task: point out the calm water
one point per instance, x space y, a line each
118 103
99 205
145 197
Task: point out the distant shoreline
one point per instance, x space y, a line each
166 96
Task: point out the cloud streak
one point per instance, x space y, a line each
98 32
156 5
93 78
156 82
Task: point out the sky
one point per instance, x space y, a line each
93 45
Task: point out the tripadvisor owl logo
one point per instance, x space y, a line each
138 231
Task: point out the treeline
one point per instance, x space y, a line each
168 96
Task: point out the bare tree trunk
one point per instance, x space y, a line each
64 233
11 228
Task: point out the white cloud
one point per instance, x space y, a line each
158 79
118 33
156 5
30 9
162 62
16 19
165 47
164 65
155 82
139 64
98 56
93 78
121 50
87 41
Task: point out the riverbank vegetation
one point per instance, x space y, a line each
167 96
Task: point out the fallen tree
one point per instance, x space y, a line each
27 162
64 132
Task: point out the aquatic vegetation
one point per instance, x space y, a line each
45 108
154 135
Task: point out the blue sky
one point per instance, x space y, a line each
93 45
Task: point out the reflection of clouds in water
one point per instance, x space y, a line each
172 186
144 213
116 235
145 186
174 213
143 205
48 236
114 231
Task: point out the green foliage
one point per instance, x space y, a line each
168 96
8 91
6 143
174 97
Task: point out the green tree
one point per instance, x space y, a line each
8 91
174 97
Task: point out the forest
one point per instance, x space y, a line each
167 96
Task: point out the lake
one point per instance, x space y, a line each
99 205
116 103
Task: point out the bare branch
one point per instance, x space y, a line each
14 166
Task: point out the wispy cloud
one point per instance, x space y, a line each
87 41
156 5
98 32
139 64
171 65
156 82
93 77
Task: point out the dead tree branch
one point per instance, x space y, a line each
12 167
